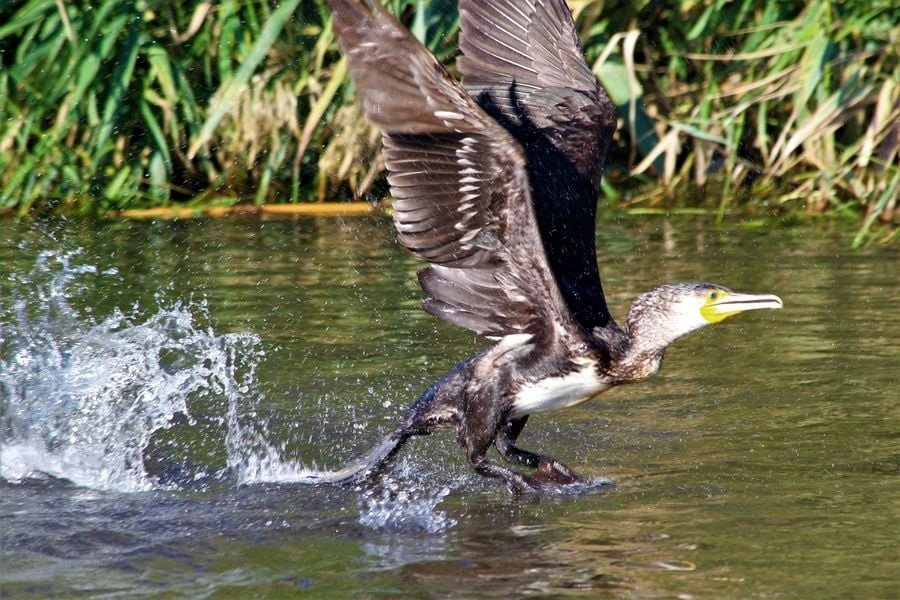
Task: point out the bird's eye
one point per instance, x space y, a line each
714 295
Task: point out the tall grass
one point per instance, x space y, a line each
110 104
784 106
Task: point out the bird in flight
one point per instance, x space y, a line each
495 184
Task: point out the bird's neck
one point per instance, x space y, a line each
632 354
641 356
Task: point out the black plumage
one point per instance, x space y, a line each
524 65
495 184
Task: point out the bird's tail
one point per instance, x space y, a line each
362 467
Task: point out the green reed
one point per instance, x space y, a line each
724 105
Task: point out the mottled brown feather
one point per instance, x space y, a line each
462 198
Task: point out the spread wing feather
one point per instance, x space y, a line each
461 195
524 65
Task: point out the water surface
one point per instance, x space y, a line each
160 382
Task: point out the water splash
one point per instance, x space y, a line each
405 500
89 399
81 399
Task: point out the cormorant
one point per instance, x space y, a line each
495 184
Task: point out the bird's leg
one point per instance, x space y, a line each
483 466
477 444
477 432
547 468
506 444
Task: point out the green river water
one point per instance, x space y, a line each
161 384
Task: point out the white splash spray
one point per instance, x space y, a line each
80 399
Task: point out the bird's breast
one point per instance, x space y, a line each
560 391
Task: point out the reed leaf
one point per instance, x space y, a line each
789 107
233 87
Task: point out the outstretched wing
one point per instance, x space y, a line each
461 196
523 63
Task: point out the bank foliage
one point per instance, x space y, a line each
109 104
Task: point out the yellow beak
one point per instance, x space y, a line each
732 303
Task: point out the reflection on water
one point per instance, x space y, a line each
156 384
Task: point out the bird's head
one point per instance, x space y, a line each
664 314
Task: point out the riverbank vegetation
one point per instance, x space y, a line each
725 106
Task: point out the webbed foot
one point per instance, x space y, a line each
552 477
549 471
